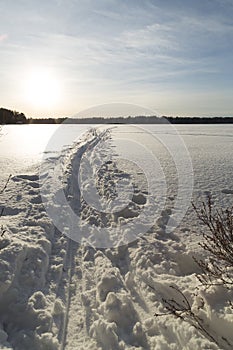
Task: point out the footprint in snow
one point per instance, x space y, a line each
227 191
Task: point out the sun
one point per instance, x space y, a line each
42 89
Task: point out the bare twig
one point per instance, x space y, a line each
183 310
5 186
216 269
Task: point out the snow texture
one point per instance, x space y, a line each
56 293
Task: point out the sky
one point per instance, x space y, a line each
175 57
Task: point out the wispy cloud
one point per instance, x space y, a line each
153 36
116 46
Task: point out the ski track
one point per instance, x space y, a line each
58 294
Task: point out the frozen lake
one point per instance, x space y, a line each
209 146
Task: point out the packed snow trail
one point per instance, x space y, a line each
56 293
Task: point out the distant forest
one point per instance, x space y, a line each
12 117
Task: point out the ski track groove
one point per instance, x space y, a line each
73 190
68 266
63 286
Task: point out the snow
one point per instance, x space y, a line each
62 293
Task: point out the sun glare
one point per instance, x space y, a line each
42 89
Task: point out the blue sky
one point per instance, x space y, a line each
174 57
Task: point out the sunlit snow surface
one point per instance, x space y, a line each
58 294
22 146
210 147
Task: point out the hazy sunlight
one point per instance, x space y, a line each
42 89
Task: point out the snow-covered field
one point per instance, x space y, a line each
102 288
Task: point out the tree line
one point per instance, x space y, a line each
13 117
135 120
